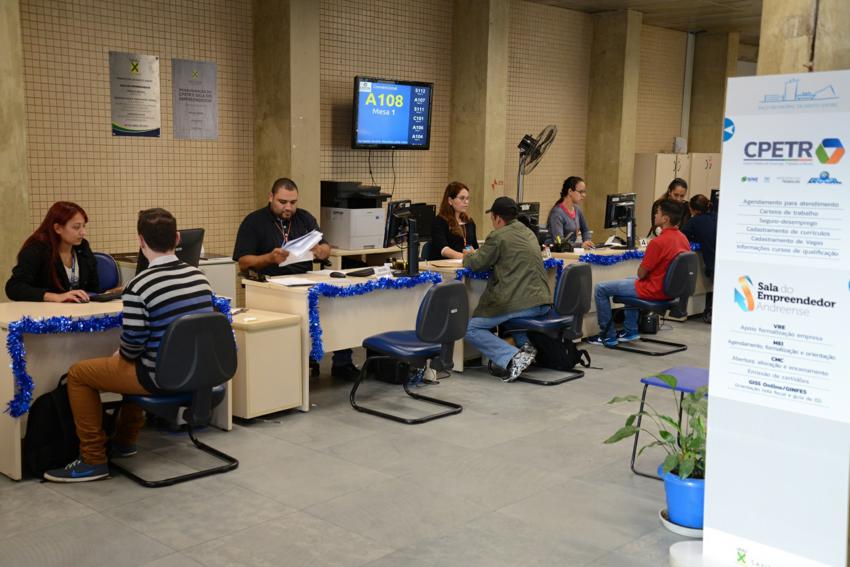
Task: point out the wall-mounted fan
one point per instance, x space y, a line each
531 150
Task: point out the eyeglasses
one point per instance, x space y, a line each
464 199
582 191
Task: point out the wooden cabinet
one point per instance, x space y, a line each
704 174
268 378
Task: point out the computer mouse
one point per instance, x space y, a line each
337 275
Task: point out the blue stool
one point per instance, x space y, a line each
688 380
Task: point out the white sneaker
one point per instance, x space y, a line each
529 349
517 366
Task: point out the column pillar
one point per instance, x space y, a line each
286 95
14 186
612 113
479 100
715 60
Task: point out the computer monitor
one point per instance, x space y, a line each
424 215
619 209
715 200
395 229
188 250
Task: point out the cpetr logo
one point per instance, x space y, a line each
824 178
744 294
830 151
783 151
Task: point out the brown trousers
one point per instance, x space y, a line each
86 380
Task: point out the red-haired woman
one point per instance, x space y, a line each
56 262
453 230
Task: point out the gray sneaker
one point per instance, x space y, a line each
529 348
517 366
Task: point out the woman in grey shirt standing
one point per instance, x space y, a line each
566 219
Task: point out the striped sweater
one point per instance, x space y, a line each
167 290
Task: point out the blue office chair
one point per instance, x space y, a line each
197 356
679 283
442 320
564 320
108 273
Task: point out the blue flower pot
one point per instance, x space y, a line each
685 499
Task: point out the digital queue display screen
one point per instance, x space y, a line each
391 114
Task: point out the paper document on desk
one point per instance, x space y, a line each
290 281
301 249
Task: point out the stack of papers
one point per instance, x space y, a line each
290 281
301 249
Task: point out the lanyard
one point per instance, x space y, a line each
283 233
73 272
463 229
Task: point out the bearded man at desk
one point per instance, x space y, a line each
260 248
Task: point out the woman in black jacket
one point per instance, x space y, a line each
56 262
453 230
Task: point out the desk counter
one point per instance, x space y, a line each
369 256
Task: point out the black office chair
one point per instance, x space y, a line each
564 321
442 320
679 283
196 358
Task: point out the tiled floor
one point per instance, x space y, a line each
521 477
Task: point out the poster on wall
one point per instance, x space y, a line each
195 99
134 90
781 311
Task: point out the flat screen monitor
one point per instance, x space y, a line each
188 250
424 215
619 208
715 200
390 114
395 230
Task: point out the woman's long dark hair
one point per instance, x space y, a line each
61 212
447 213
700 203
570 184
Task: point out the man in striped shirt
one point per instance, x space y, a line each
167 290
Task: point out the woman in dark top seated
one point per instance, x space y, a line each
701 229
453 230
56 262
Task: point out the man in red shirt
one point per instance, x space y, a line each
649 283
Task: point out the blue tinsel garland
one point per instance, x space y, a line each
24 385
602 260
329 290
548 263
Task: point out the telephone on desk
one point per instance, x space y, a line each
614 242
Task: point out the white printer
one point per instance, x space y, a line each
353 215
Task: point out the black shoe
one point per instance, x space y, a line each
314 368
347 371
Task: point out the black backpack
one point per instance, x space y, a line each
557 355
51 440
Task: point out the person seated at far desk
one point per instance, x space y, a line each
701 229
56 262
167 290
262 236
566 221
649 283
518 287
453 230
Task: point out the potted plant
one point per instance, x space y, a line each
683 469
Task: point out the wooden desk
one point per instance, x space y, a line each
345 321
48 358
370 256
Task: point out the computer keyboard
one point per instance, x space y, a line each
103 297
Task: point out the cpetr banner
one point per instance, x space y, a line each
779 344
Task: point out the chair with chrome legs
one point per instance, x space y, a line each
564 320
679 283
196 359
442 320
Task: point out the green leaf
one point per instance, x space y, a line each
687 467
668 379
620 399
622 433
645 447
669 420
631 420
670 463
667 436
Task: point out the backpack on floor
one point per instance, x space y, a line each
557 355
51 440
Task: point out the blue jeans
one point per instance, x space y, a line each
478 333
603 292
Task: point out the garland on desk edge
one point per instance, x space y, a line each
548 263
603 260
329 290
24 384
